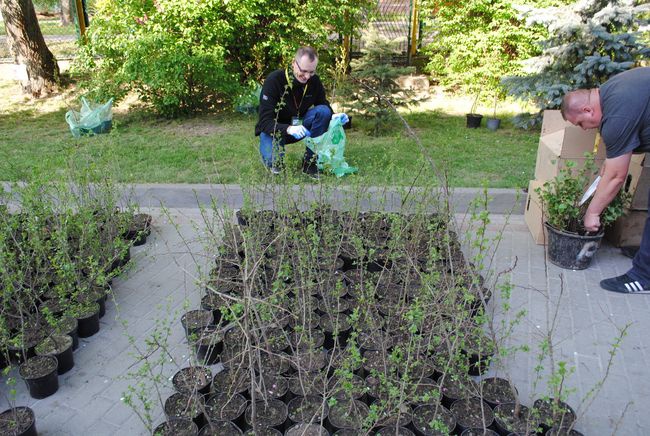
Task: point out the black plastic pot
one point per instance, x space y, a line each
220 428
306 429
89 323
570 250
193 380
43 384
424 415
208 346
493 124
552 414
177 427
69 326
390 431
59 346
18 421
473 120
179 405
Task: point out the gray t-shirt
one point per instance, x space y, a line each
625 102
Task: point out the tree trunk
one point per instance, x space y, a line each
66 12
29 48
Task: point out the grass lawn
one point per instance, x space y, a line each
221 148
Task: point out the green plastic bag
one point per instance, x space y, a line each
330 148
92 119
248 103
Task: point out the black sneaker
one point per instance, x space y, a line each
310 168
625 285
275 168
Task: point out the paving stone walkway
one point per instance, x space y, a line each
162 278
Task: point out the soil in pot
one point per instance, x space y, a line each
346 388
39 373
177 427
479 432
472 413
88 319
433 420
59 346
551 413
19 421
309 360
308 383
226 407
457 388
506 421
307 409
22 345
231 381
425 391
220 428
263 431
348 414
195 321
180 405
393 415
304 429
97 295
271 386
68 326
570 250
192 380
497 391
272 363
272 413
209 345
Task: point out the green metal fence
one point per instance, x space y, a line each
395 19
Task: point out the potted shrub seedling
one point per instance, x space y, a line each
473 118
569 244
493 122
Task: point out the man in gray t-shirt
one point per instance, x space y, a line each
620 108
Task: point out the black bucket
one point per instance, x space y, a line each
473 120
570 250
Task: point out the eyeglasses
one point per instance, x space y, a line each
311 73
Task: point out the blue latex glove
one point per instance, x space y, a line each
298 132
341 116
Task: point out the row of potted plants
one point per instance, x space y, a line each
376 320
59 250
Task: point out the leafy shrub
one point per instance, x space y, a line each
476 42
181 57
561 198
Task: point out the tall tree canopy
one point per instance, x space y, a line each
590 41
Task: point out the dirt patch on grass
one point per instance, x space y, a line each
201 126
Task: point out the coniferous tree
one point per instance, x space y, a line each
376 77
591 41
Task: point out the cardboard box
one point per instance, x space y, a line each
569 144
552 122
533 214
638 181
628 229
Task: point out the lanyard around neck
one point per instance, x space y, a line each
304 91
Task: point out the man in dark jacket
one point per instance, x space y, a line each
621 109
293 105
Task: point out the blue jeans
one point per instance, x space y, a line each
316 120
641 263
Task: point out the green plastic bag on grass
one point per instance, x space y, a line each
330 148
93 118
249 103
